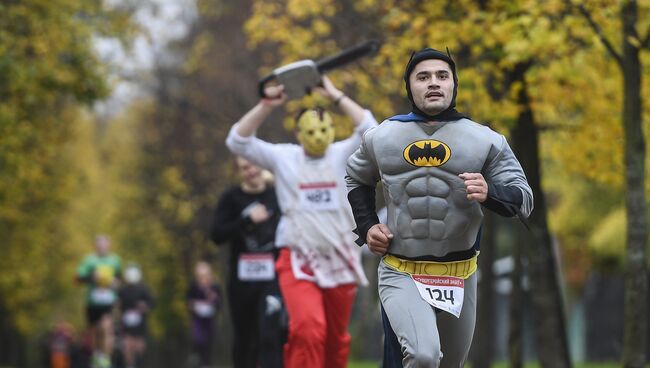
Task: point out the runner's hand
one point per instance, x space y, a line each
475 186
328 90
378 239
143 306
259 213
274 96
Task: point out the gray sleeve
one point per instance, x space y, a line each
362 165
362 177
503 169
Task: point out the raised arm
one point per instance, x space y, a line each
241 139
254 118
340 99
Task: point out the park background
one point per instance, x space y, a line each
113 116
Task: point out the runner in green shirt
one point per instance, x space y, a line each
101 271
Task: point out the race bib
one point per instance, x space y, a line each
132 318
255 267
102 296
443 292
203 309
319 196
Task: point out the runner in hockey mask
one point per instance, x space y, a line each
315 131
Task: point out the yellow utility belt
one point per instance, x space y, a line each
463 269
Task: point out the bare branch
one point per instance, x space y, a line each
599 32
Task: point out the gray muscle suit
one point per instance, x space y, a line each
431 218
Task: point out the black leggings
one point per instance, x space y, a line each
258 335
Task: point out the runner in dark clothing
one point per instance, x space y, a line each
204 299
246 218
135 303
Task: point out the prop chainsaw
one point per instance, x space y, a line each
301 76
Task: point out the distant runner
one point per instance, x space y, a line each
101 271
203 300
245 219
135 304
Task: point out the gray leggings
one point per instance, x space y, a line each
428 339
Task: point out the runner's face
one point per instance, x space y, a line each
102 246
249 173
315 134
203 274
432 86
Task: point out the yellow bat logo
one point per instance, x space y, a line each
427 153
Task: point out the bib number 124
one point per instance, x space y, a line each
443 292
441 295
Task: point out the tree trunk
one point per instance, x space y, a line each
636 288
515 335
548 310
483 346
12 344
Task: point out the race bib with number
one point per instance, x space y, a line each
102 296
319 196
443 292
203 309
132 318
255 267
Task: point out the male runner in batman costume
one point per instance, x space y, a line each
437 168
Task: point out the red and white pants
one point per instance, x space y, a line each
318 319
